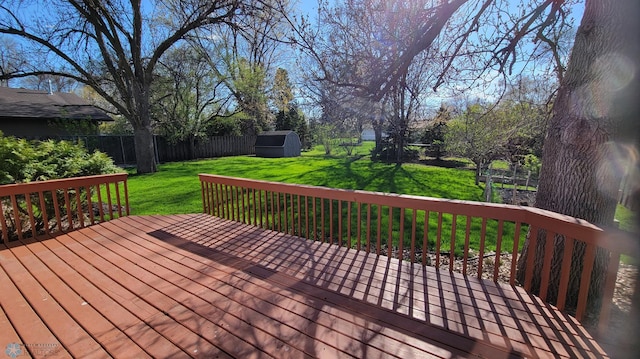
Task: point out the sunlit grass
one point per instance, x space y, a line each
175 188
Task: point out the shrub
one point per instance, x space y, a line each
27 161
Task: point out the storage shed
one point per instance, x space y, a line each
278 144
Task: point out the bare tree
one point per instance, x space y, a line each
243 57
113 47
10 60
186 96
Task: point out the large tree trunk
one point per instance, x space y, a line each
579 176
145 150
142 131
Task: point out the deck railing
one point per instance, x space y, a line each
429 231
38 209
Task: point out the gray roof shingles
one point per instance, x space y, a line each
23 103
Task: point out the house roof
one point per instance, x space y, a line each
23 103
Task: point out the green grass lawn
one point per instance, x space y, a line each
175 187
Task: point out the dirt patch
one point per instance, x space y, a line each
523 198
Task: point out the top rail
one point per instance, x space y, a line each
41 208
430 231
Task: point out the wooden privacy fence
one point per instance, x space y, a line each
43 208
218 146
122 148
422 229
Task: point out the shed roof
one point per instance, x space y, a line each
272 138
23 103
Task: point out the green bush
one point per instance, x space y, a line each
27 161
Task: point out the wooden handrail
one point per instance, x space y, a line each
370 220
34 209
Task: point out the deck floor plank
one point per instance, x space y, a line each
520 304
85 311
120 306
162 306
277 300
25 320
479 333
200 286
190 294
206 252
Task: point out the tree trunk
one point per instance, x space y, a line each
377 130
192 147
578 176
145 155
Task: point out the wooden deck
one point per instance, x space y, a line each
200 286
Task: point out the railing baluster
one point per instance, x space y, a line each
514 254
109 203
219 200
467 233
587 268
260 208
323 231
369 228
546 265
272 211
565 271
390 236
265 209
16 215
215 197
438 239
3 220
56 208
118 201
496 262
228 195
45 215
483 237
315 220
452 244
531 252
425 239
242 204
32 219
401 235
126 199
79 208
306 216
379 231
348 224
255 207
203 193
299 218
89 208
359 230
413 235
284 213
236 202
330 221
340 223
